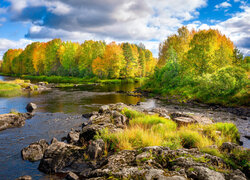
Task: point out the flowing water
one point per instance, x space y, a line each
59 110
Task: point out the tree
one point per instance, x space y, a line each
8 57
52 63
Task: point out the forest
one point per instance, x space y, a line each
91 58
203 65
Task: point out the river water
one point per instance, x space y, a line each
59 110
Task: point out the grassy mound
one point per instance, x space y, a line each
152 130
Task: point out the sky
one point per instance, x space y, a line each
134 21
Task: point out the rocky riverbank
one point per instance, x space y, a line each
87 154
13 120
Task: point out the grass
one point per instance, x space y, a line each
151 130
14 88
9 89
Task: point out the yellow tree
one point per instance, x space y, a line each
8 57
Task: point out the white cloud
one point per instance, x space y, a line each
6 44
223 5
236 28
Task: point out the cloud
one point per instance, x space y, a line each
6 44
223 5
236 28
120 20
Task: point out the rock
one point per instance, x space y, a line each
31 107
119 119
53 140
96 148
185 119
26 177
34 151
73 137
204 173
104 109
228 147
42 83
13 120
71 176
87 115
60 157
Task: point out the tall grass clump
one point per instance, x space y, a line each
132 113
148 121
193 139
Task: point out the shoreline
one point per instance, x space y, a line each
87 153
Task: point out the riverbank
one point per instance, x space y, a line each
18 87
76 80
122 141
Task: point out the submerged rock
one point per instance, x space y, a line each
34 151
13 120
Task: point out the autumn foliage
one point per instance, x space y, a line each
203 65
91 58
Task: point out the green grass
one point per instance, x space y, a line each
9 89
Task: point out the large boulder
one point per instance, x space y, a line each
60 157
31 107
13 120
34 151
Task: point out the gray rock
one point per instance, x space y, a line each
71 176
60 157
31 107
26 177
104 108
34 151
204 173
73 137
185 119
53 140
228 147
13 120
96 148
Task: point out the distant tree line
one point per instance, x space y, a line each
91 58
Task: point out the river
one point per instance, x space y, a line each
60 109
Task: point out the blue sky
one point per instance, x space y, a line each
146 21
